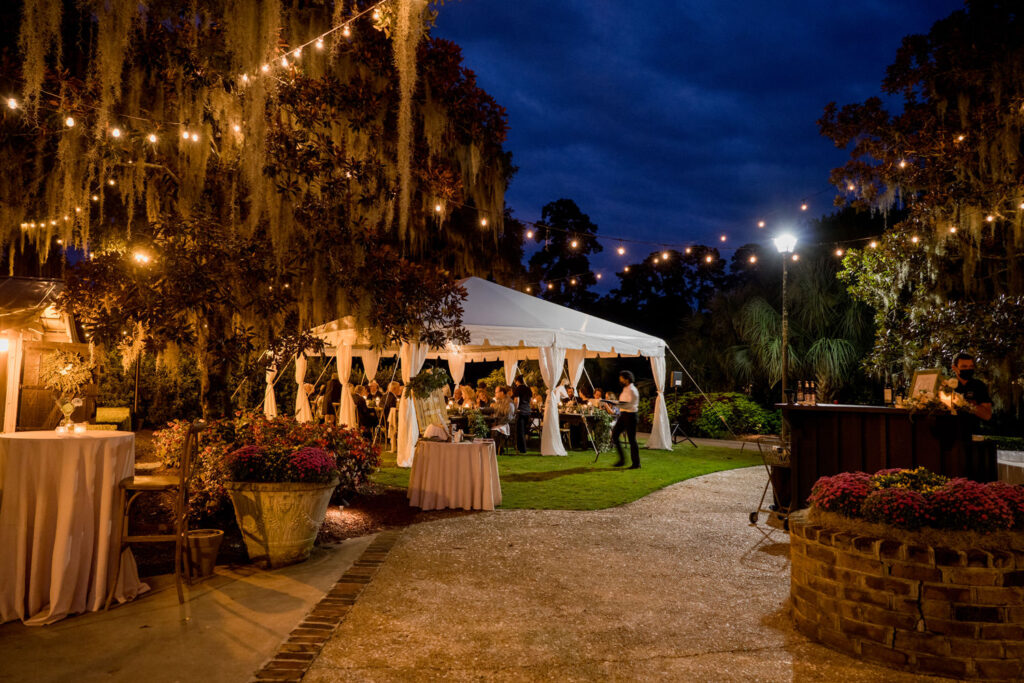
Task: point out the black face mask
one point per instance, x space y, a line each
967 375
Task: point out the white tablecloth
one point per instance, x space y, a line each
455 475
58 499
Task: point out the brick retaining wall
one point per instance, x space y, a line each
914 607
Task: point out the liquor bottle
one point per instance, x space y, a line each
813 400
887 393
800 393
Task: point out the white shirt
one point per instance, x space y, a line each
629 399
560 393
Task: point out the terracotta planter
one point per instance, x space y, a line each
203 545
279 521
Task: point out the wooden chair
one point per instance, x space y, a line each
131 488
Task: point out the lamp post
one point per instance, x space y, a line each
785 243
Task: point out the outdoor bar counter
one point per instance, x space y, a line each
828 439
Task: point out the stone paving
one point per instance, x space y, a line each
676 586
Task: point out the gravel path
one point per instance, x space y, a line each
675 586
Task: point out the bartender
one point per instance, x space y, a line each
972 389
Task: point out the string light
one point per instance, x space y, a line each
708 259
656 259
915 239
689 250
70 122
753 259
598 276
184 134
115 133
237 128
952 229
95 197
903 163
110 182
151 137
284 62
839 252
990 218
621 251
195 137
722 238
760 224
376 14
265 68
319 43
572 281
551 286
803 207
960 138
78 209
297 52
796 257
437 208
872 244
626 269
12 103
851 187
664 256
483 222
527 289
245 78
346 31
574 244
529 234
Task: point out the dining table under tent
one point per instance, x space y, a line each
508 326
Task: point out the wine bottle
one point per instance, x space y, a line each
800 392
887 393
813 400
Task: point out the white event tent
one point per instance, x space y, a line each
509 326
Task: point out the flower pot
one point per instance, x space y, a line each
203 545
279 521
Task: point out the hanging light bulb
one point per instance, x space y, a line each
850 187
110 182
903 163
572 281
952 229
115 133
265 68
529 234
551 286
656 259
760 224
284 62
78 209
796 257
346 31
151 137
245 78
184 134
722 238
376 14
626 269
319 43
872 244
60 241
95 197
990 218
961 137
708 258
527 289
195 137
297 52
12 103
70 122
753 259
689 250
839 252
598 276
53 222
437 208
915 239
621 251
664 256
803 207
483 222
574 244
237 128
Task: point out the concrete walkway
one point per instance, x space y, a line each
230 624
675 586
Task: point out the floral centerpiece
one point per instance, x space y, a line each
66 374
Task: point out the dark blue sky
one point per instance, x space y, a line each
678 120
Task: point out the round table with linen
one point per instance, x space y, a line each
455 475
58 500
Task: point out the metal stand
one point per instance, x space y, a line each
678 433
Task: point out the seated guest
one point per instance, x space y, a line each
332 395
468 398
599 402
483 399
366 416
504 412
374 394
391 399
536 400
571 397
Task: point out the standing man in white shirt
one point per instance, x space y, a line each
629 402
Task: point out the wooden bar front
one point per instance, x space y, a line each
829 439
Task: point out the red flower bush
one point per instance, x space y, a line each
310 464
843 493
905 508
251 463
1013 497
968 506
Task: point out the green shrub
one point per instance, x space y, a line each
703 417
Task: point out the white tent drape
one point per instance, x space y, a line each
574 357
413 356
661 436
552 358
511 365
371 360
15 356
303 413
269 400
347 409
457 367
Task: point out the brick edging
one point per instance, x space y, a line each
291 661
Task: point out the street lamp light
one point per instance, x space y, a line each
785 244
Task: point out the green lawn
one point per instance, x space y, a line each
575 482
